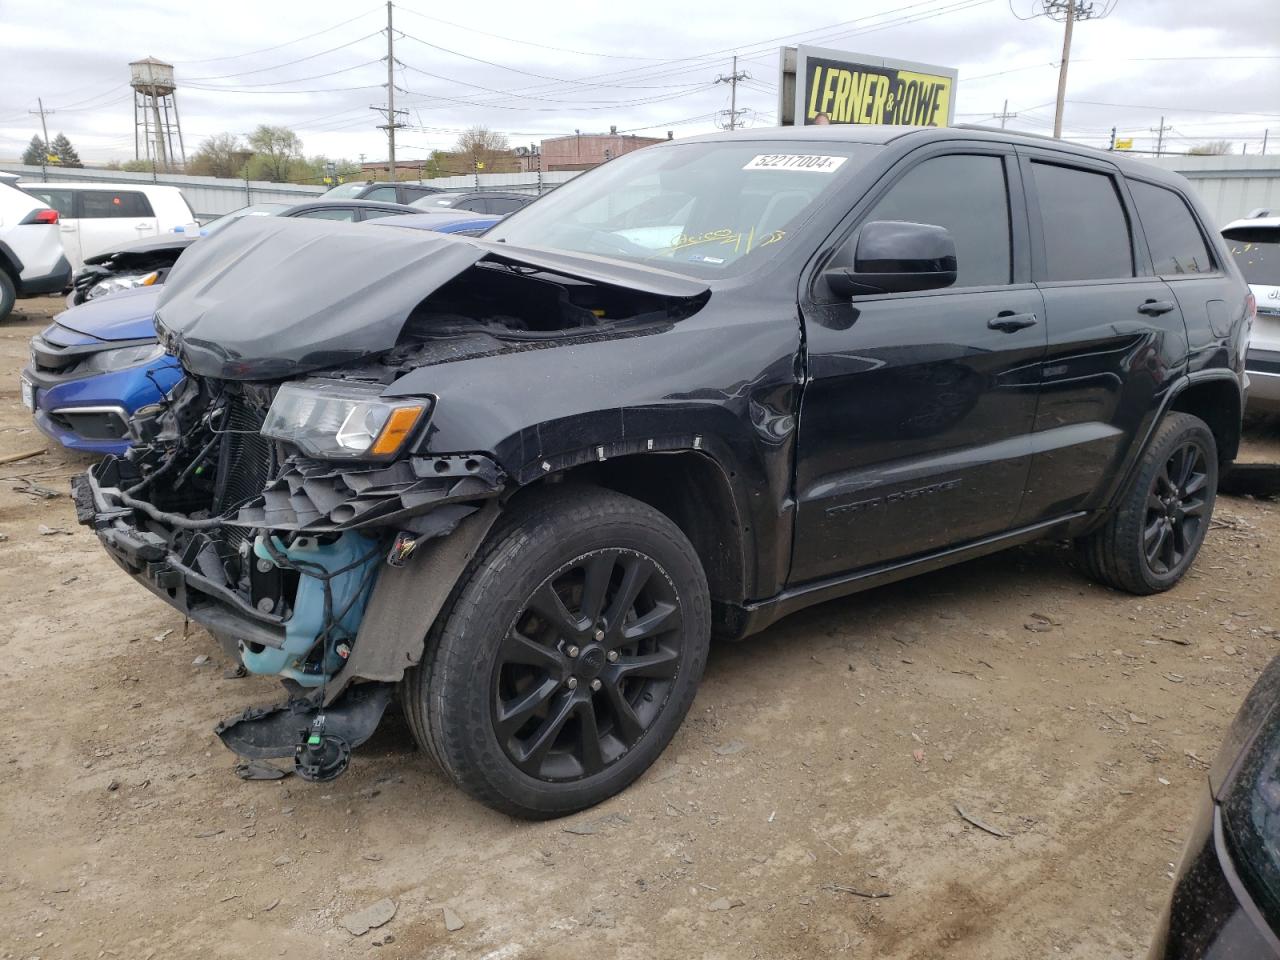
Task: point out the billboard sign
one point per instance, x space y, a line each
834 86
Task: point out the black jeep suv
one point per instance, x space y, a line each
526 478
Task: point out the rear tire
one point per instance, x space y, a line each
567 656
1153 534
8 295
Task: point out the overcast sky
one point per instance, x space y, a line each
544 69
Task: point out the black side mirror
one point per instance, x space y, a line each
895 256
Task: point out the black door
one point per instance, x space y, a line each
1116 336
917 407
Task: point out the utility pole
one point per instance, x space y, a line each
1069 11
1112 145
1004 115
389 111
44 129
732 81
1159 132
1264 140
1062 68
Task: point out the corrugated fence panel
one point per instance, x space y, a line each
213 196
1231 186
206 196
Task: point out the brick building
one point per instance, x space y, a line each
582 151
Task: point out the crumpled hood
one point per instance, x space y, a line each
280 297
123 315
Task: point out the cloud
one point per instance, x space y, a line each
236 67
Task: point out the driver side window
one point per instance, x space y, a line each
966 194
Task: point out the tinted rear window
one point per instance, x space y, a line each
106 204
1259 261
1177 246
1086 232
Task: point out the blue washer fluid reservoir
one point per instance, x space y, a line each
303 627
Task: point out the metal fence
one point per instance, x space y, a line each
206 196
213 196
1231 186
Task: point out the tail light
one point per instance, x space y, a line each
1251 306
46 215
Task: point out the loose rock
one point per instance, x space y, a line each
374 915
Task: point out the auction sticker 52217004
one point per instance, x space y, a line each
801 162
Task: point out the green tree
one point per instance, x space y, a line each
35 152
222 155
64 151
276 153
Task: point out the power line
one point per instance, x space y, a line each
289 63
278 46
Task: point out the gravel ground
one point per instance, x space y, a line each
823 761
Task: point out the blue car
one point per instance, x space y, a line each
93 367
100 361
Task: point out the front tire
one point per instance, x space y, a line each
567 657
1155 531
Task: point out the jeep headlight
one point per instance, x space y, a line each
122 282
109 361
338 420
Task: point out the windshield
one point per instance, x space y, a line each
256 210
1258 260
346 191
708 209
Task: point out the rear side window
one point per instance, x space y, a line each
60 200
105 204
373 213
346 214
1177 245
1086 232
967 195
381 193
504 205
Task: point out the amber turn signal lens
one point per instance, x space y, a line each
399 425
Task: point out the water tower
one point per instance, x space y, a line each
155 114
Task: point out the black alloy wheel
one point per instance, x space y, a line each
567 655
587 666
1176 508
1152 534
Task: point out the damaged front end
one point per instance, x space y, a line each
286 497
277 554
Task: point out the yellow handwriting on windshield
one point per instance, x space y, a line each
741 242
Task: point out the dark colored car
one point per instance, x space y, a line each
1226 899
401 192
147 262
496 202
527 476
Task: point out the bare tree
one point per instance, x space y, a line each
1214 148
481 145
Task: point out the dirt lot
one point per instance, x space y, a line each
825 756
